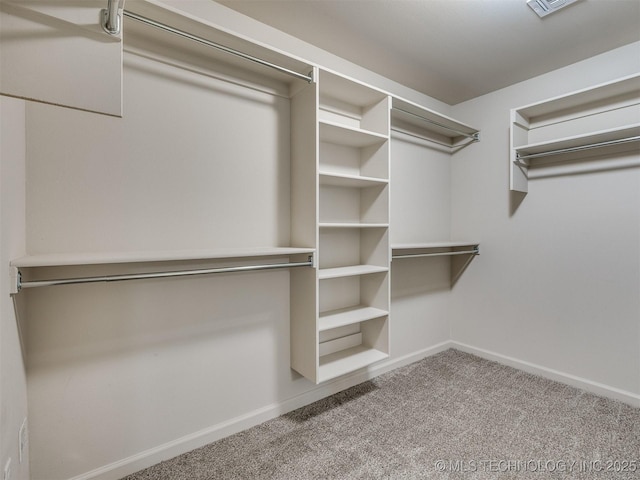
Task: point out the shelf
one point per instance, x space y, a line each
557 147
425 119
346 361
352 225
432 245
354 270
349 136
347 180
69 259
541 111
602 118
348 316
435 250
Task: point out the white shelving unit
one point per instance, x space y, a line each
348 195
570 127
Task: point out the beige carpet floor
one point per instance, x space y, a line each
449 416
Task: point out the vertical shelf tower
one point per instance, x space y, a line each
340 170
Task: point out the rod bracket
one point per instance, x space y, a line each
110 19
476 137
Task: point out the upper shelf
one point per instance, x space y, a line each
588 100
600 119
70 259
413 119
185 33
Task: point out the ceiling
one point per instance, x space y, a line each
452 50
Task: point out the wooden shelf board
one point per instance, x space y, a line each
68 259
352 225
346 361
581 140
585 96
346 180
431 116
348 90
349 316
432 245
327 273
349 136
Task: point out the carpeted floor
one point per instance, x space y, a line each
449 416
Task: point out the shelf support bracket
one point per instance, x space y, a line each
16 281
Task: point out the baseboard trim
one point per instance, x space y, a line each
575 381
147 458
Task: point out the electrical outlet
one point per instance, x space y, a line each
22 438
7 470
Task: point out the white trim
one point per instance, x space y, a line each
608 391
147 458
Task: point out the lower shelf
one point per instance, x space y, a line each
348 316
346 361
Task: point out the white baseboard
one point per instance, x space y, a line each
568 379
129 465
147 458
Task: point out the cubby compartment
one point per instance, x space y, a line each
367 162
345 247
353 326
346 349
352 105
354 206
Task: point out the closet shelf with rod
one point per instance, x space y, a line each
435 249
460 254
595 122
88 259
416 121
222 45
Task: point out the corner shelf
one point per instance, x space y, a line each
414 120
461 253
563 127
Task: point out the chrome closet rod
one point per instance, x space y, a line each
578 149
140 276
209 43
439 254
473 136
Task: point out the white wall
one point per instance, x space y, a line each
13 388
557 283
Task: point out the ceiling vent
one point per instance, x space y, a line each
545 7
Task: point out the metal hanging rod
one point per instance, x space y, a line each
474 136
475 251
140 276
111 23
577 149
